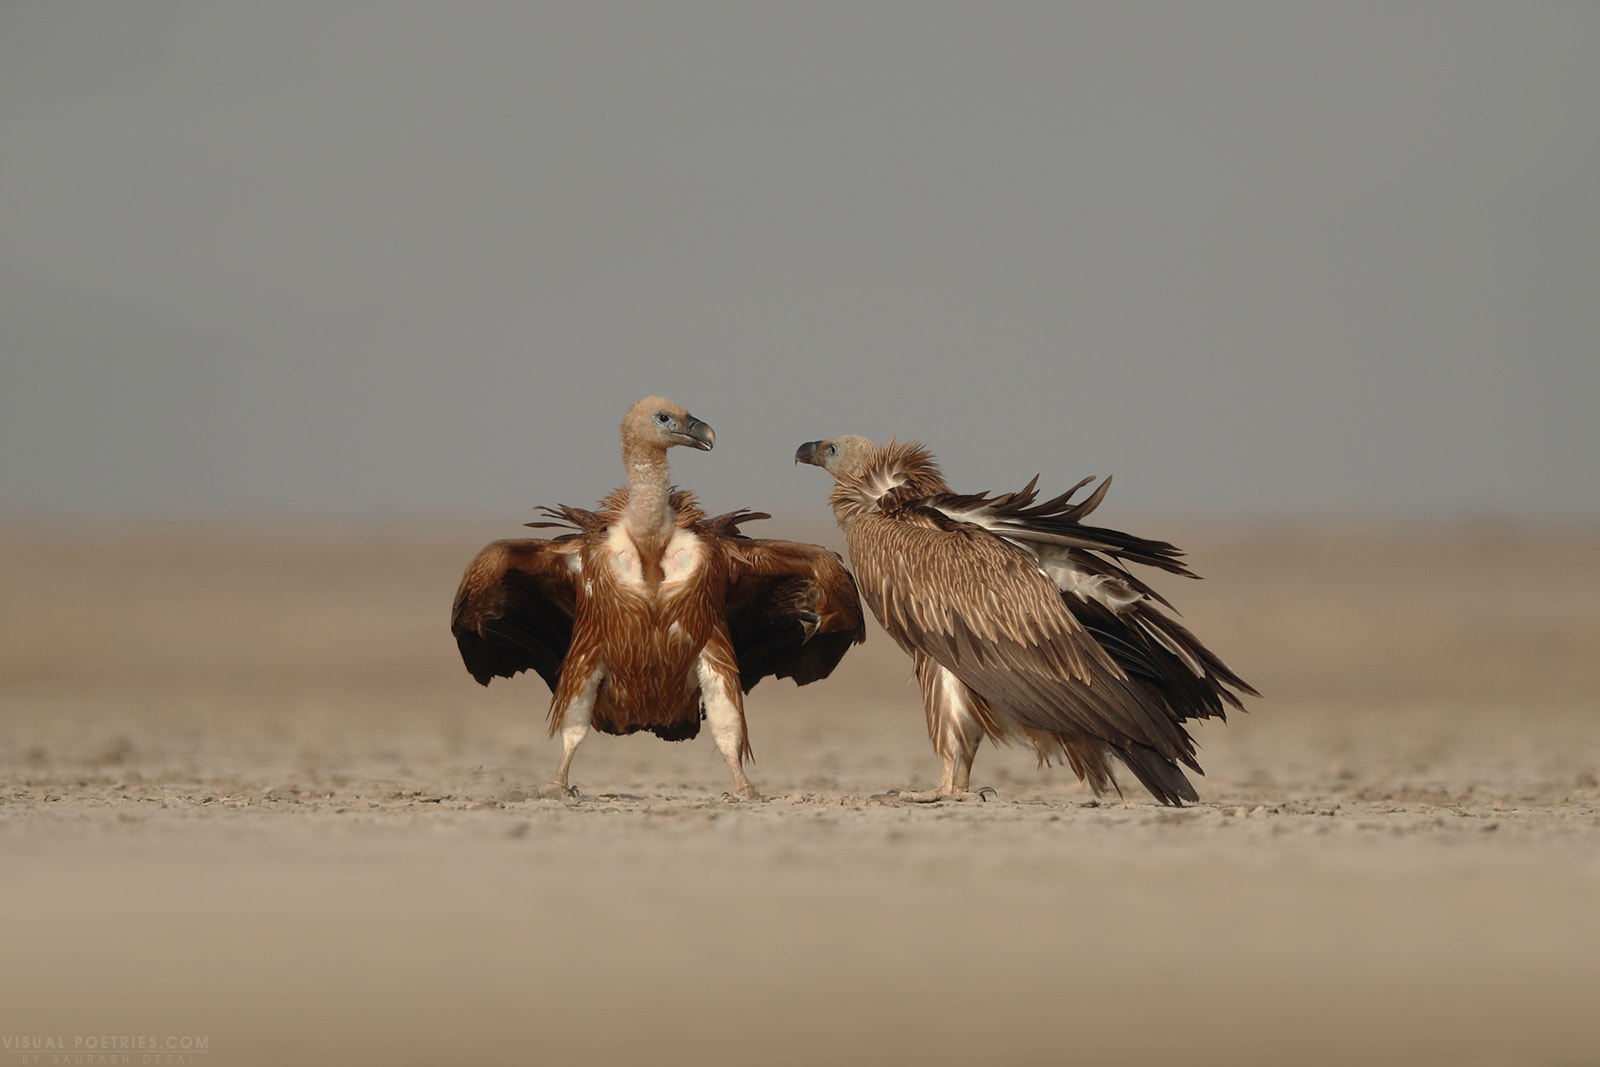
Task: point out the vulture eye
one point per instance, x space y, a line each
833 450
662 418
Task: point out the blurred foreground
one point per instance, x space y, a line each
248 792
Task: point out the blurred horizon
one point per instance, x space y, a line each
353 261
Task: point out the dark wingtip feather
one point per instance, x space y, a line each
1163 778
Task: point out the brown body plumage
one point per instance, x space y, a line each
649 613
1022 623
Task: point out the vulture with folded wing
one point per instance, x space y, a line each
649 615
1022 623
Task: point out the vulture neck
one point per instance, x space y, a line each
860 489
648 518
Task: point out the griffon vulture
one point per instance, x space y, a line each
650 616
1022 623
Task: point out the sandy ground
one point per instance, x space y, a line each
250 801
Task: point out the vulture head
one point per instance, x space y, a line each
864 472
656 422
844 456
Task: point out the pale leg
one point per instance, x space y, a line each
957 775
725 715
953 724
574 728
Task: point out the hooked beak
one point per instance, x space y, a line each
807 453
698 435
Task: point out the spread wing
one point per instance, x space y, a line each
514 608
984 610
792 609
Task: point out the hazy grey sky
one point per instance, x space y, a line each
1268 257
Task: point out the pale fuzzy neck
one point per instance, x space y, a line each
844 510
647 516
847 506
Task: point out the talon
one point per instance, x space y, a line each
984 793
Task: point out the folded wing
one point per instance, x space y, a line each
985 612
1118 609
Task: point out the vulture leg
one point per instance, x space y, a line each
955 725
724 704
574 719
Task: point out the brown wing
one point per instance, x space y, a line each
792 609
514 608
982 609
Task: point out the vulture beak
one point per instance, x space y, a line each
698 435
807 453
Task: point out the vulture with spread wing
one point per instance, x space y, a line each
649 615
1022 623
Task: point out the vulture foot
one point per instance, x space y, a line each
558 791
